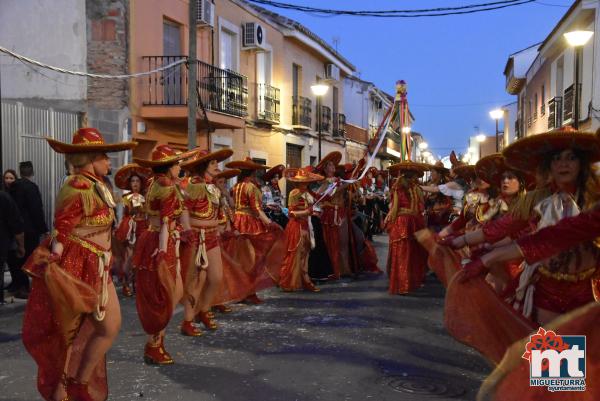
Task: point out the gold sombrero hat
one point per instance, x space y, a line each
88 140
528 153
491 168
164 155
227 174
302 175
272 171
334 157
246 164
204 156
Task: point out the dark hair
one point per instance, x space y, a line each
245 174
584 168
161 169
199 169
26 169
13 172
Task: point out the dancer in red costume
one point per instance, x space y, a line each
334 216
407 260
159 286
250 221
438 206
73 313
202 267
131 178
298 232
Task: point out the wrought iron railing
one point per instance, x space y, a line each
267 98
339 124
220 90
555 112
301 109
325 118
568 104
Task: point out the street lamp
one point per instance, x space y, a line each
406 130
497 114
577 39
319 90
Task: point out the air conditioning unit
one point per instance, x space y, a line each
254 36
206 13
332 72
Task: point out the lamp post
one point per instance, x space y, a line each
497 114
577 39
319 90
480 138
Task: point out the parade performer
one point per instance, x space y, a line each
132 178
438 206
202 267
159 286
73 314
272 198
549 288
254 226
298 232
334 219
406 264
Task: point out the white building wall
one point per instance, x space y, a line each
53 32
356 102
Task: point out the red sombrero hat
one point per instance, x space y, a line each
528 153
302 175
205 156
125 173
247 164
87 140
466 171
227 174
164 155
409 166
334 157
273 171
492 167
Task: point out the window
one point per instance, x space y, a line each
171 38
296 80
172 82
543 101
229 51
263 67
535 106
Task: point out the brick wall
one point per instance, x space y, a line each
107 52
356 134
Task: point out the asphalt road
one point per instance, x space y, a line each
352 341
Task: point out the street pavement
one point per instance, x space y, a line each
351 341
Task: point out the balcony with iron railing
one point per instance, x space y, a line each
555 112
568 104
267 103
325 119
339 124
301 110
219 90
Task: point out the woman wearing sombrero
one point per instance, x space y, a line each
253 224
156 259
132 178
272 199
202 268
555 285
298 235
407 260
73 314
334 220
438 206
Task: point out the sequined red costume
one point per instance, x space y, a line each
297 236
267 242
134 221
156 272
334 220
81 278
406 264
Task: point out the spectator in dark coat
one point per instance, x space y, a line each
11 231
26 195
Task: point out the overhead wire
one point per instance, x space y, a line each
408 13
